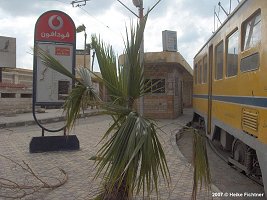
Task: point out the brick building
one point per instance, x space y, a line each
15 90
169 83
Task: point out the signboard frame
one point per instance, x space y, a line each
53 28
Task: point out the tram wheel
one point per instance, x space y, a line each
239 152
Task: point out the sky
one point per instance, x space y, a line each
193 20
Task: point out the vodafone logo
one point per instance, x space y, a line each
55 22
55 26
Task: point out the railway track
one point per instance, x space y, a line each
225 157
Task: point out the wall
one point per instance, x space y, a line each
166 105
15 91
178 76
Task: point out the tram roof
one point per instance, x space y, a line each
225 21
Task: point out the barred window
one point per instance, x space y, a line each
155 86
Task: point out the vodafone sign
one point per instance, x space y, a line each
55 33
55 26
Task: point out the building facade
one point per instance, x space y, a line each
15 91
168 84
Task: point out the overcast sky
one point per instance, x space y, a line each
192 20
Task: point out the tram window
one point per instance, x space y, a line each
196 74
232 54
250 63
199 72
219 61
205 69
252 32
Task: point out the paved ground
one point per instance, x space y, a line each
227 179
14 143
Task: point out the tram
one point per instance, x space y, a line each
230 88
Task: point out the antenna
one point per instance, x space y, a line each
216 14
230 9
219 4
77 2
217 17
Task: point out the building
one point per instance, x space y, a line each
82 59
168 84
15 90
170 79
7 52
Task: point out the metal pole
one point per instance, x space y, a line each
141 18
84 52
1 74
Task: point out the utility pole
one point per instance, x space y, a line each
78 30
140 6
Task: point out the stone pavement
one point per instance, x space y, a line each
14 143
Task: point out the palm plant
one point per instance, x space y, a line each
131 158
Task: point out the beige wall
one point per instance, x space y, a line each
80 61
15 91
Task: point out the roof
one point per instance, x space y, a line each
168 57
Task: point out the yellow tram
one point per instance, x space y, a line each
230 87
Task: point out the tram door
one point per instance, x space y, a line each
210 89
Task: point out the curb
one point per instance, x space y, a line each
45 121
174 136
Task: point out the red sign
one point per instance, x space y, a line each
62 51
55 26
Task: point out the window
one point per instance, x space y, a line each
25 95
8 95
196 73
63 89
232 54
219 61
200 72
252 31
205 69
158 85
250 62
147 86
155 86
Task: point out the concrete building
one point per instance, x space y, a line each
7 52
81 59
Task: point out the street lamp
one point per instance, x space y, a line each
78 30
138 3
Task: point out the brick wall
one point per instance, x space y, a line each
15 91
166 105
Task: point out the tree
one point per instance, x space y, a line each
131 157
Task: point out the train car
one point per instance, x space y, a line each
230 88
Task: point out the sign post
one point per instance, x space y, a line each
55 33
